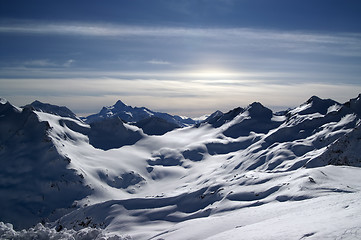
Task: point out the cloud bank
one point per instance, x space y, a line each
192 98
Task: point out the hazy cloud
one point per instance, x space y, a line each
39 63
158 62
190 97
42 63
68 63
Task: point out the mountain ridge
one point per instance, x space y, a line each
135 114
52 109
34 178
123 180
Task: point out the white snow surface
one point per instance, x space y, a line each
40 232
255 176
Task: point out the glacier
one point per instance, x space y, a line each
249 173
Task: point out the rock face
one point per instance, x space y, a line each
156 126
35 182
217 118
52 109
112 133
355 105
345 151
255 118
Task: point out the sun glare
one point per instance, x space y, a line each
213 73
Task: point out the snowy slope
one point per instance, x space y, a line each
344 151
35 183
248 173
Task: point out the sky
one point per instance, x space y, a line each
185 57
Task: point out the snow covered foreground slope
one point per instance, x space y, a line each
248 173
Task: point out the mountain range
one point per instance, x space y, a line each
133 173
135 114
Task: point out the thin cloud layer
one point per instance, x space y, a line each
158 62
191 97
245 34
46 63
162 66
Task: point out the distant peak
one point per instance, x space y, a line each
256 109
354 100
233 113
355 104
357 99
36 102
315 105
314 99
256 105
3 101
216 114
235 110
119 104
5 105
50 108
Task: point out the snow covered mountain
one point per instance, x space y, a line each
35 183
247 173
136 114
53 109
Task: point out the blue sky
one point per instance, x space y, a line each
183 57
